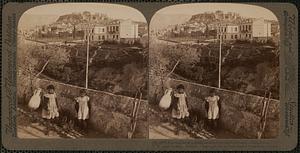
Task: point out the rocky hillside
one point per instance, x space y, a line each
203 18
246 67
70 18
93 18
81 18
113 68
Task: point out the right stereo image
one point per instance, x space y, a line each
214 72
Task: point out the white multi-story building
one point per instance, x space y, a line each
128 31
228 31
249 29
96 33
118 30
261 29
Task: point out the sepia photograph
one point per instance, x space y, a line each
214 72
149 76
82 72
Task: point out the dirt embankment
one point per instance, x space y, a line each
249 67
119 69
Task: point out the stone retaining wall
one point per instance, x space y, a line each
239 112
110 113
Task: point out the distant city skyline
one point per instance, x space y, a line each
46 14
244 10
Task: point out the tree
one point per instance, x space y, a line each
33 58
163 58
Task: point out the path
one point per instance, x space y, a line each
167 131
26 128
162 126
35 130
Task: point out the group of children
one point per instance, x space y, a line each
50 107
180 108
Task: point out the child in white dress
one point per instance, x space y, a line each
180 107
50 106
212 108
83 109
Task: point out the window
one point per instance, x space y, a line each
117 37
219 36
117 28
249 35
113 36
225 29
231 36
246 35
249 27
103 29
235 29
235 36
224 36
99 37
103 37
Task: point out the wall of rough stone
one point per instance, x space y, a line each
239 112
110 113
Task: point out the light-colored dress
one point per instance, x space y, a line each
83 110
182 110
213 109
165 101
52 111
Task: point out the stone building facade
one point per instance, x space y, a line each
249 29
125 31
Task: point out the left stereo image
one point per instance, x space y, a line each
82 72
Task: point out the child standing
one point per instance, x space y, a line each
180 108
50 106
83 109
212 109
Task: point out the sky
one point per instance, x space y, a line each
244 10
46 14
51 12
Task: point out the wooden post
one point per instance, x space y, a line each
87 61
220 62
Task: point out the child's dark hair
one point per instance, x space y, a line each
82 91
50 87
181 86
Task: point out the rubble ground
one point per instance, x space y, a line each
163 126
31 125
